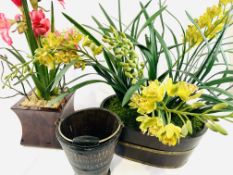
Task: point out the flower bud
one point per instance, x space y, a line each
197 105
189 126
216 127
220 106
127 74
184 130
134 81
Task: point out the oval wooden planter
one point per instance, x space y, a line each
148 150
38 124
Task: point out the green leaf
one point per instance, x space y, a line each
82 29
150 20
107 16
119 15
62 73
73 89
222 92
79 77
166 52
52 18
131 91
30 34
17 55
101 27
137 16
108 57
219 81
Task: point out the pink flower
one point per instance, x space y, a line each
62 2
5 26
40 24
18 3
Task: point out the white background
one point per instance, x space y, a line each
214 155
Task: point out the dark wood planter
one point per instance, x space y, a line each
38 124
86 155
148 150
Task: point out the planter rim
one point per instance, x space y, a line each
91 109
204 129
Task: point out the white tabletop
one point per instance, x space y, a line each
213 156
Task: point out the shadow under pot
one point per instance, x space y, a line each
38 124
145 149
89 138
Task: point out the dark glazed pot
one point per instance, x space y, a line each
89 138
148 150
38 124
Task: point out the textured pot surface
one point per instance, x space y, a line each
102 124
38 125
148 150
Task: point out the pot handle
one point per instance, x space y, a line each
86 141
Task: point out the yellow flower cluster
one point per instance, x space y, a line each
62 48
146 102
151 100
169 134
183 90
210 23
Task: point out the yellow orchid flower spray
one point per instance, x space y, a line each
210 23
152 102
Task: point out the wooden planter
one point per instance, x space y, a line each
138 147
38 125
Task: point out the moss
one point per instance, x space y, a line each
128 116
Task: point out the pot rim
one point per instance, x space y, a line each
120 126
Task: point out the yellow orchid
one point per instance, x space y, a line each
143 104
171 88
86 42
169 135
155 90
187 91
150 124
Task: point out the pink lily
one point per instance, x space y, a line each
40 24
62 2
5 26
18 3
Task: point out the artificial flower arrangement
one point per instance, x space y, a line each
53 52
191 93
40 76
